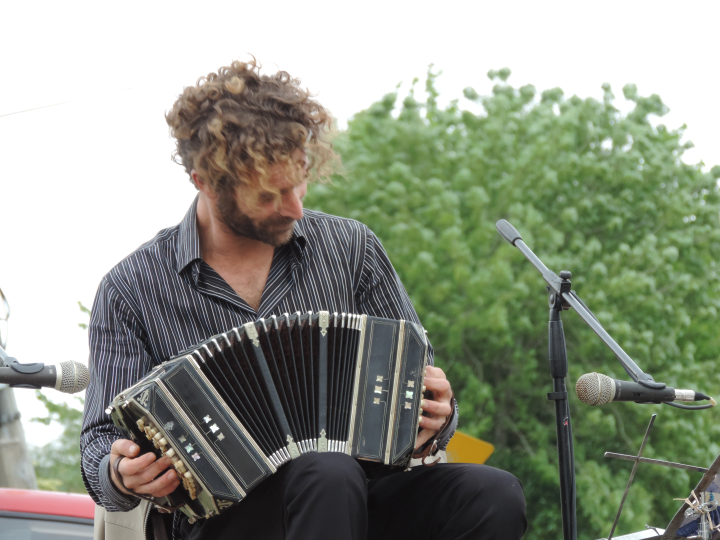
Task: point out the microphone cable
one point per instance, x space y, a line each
691 407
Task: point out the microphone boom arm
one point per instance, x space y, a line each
632 369
561 287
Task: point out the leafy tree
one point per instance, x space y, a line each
594 191
57 463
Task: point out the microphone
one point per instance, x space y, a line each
598 389
69 377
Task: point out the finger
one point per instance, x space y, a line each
161 486
437 385
125 447
148 474
434 372
423 437
167 483
436 408
169 488
432 422
132 466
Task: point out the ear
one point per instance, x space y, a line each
201 185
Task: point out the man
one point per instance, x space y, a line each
247 249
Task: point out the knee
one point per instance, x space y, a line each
507 485
494 502
488 483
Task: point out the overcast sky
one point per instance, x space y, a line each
84 183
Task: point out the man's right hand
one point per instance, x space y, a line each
142 475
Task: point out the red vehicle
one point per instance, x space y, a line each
45 515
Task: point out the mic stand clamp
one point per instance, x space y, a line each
5 359
9 361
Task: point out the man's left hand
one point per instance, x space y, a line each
438 407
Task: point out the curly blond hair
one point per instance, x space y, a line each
233 125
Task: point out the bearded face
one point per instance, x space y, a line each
274 229
267 215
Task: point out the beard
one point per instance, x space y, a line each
275 231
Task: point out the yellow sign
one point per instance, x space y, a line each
466 449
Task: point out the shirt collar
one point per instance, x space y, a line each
188 249
299 238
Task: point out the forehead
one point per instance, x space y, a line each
285 176
290 172
282 178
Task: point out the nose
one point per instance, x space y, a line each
291 205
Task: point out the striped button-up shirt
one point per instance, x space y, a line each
163 299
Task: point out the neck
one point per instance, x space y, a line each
218 242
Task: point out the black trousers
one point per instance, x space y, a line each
328 497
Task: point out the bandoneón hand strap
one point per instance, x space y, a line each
431 447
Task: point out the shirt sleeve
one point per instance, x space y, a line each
381 294
118 358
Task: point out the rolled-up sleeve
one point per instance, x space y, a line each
118 358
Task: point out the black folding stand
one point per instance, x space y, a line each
562 298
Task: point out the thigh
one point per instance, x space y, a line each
260 515
446 502
320 496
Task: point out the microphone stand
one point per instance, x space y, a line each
557 358
560 298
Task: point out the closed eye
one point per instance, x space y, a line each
266 198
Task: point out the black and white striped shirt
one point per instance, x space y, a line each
163 299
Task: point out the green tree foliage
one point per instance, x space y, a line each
592 190
84 309
57 463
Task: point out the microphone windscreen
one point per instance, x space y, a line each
595 389
74 377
